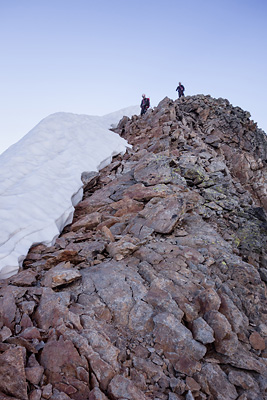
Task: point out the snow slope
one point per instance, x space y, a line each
40 181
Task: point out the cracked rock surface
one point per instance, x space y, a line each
157 290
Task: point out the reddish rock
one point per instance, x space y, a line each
178 344
96 394
34 374
214 382
138 378
66 388
31 333
5 333
24 278
107 233
148 368
93 203
147 254
192 384
209 300
62 256
101 344
102 370
7 308
28 307
126 206
88 222
35 394
52 309
226 341
123 247
57 395
34 371
12 372
26 321
20 341
244 359
90 249
242 379
163 214
256 341
237 319
58 369
141 192
62 274
47 391
173 396
121 387
163 301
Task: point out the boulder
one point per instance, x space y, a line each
163 214
256 341
226 341
202 331
64 367
123 388
62 274
12 372
214 382
156 169
178 344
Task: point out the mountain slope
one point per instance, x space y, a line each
157 289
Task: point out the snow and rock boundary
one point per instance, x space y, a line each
40 183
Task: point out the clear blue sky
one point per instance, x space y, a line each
95 57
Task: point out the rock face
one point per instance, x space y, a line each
157 290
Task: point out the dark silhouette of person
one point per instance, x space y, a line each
180 89
145 104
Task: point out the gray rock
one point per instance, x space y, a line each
214 382
263 274
121 387
189 395
156 169
202 331
178 343
163 215
242 379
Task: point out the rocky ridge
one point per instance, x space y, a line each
157 290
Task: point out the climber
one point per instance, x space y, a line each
145 104
180 90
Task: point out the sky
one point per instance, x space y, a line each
95 57
40 180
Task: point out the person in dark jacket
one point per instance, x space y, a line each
145 104
180 90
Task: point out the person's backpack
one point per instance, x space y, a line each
147 102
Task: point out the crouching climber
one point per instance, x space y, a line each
145 104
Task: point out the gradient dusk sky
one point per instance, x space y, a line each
96 57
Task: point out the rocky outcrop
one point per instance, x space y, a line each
157 290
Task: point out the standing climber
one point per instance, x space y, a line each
145 104
180 90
